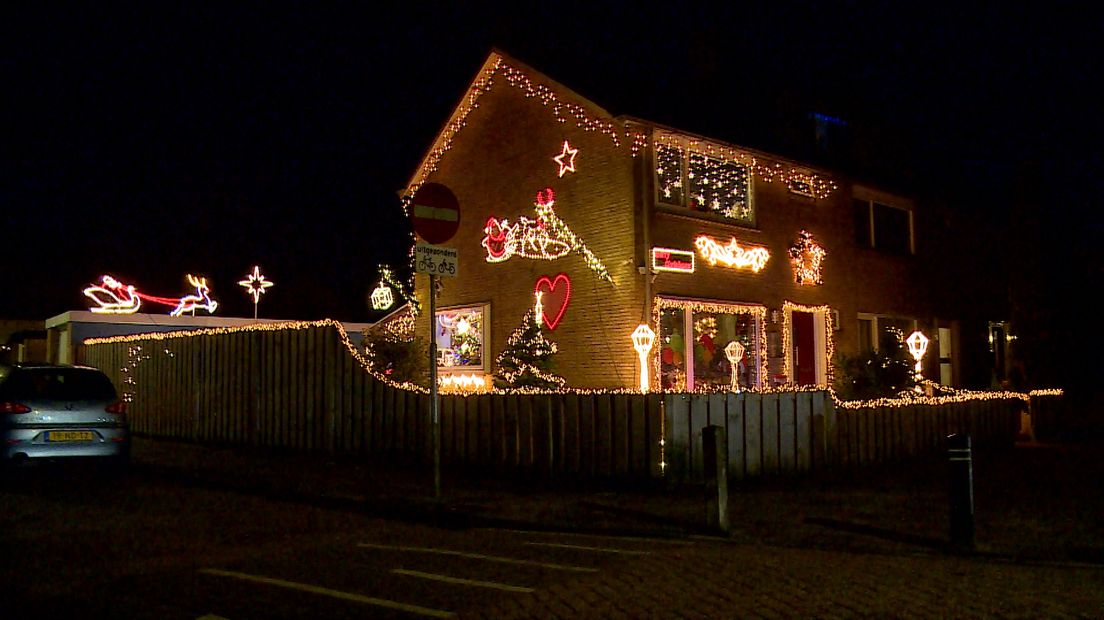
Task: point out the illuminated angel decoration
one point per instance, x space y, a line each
114 297
545 238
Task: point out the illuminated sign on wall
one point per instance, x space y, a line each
666 259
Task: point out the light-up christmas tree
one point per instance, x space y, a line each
526 362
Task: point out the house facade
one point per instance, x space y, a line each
740 262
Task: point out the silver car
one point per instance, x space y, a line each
49 412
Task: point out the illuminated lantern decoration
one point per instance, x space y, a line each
806 257
545 238
557 291
734 352
642 338
918 345
566 159
382 298
255 285
732 254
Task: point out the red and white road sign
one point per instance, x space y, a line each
435 213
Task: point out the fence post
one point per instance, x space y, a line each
961 491
715 458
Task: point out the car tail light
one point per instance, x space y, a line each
118 407
10 407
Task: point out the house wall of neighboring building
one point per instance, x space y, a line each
496 166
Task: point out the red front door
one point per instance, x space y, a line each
804 349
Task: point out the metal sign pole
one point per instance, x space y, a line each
435 406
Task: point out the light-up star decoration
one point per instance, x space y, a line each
566 159
255 285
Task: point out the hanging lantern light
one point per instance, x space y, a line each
918 345
734 351
382 298
642 338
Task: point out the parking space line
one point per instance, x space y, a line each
647 539
586 548
466 582
348 596
480 556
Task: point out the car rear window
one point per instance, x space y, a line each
56 384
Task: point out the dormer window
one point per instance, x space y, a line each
702 183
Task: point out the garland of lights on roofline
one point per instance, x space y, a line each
800 181
905 399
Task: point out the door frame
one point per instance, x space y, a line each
822 340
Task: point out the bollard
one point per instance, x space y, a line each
961 491
715 459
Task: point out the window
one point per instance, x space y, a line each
460 334
704 184
699 362
883 227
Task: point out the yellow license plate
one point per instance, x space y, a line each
69 436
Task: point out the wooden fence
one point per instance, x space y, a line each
793 432
303 387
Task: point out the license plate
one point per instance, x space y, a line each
69 436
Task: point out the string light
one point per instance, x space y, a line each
731 254
464 329
518 369
382 298
545 238
758 313
546 284
672 150
806 258
917 345
788 308
343 336
568 154
114 297
642 338
667 259
463 383
255 285
135 355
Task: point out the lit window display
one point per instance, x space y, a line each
460 335
693 340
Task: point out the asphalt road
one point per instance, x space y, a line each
82 541
168 543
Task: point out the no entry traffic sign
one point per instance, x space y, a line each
435 213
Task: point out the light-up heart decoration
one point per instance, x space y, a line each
555 293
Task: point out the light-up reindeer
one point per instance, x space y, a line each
201 299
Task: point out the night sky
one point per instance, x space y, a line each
154 140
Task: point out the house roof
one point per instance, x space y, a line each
565 104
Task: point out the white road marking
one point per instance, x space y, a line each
348 596
662 541
586 548
466 582
480 556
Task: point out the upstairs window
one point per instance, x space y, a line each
883 227
697 182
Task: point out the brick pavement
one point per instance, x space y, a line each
849 544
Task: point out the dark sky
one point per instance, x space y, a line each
153 140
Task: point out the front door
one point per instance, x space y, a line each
804 348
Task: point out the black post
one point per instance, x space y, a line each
715 458
961 491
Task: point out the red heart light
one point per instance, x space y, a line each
556 293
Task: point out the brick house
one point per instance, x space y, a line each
646 224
